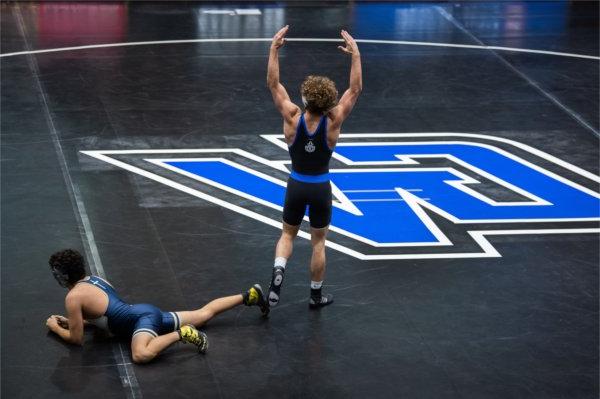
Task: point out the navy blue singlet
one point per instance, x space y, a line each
310 153
308 185
128 320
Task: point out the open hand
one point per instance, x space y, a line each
279 38
351 47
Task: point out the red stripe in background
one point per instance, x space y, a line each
68 24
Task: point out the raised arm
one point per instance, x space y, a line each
340 112
280 95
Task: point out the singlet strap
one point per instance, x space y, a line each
105 281
298 130
325 134
88 279
317 130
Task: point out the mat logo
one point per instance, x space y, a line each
385 197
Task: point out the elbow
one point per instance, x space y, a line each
76 341
271 83
356 90
140 359
142 356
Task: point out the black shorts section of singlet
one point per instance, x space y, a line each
299 195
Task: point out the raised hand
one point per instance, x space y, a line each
279 38
351 47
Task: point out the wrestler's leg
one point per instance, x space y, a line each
283 251
317 261
200 316
319 213
145 346
294 209
147 341
285 245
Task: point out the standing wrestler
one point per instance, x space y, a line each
93 300
311 137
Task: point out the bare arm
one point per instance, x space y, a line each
280 96
71 329
346 103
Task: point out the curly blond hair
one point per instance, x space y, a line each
320 93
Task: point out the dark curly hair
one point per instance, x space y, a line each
320 93
69 262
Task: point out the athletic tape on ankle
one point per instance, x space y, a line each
280 262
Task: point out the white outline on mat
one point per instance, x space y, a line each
478 236
126 372
305 39
441 238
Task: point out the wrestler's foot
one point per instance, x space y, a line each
318 301
190 334
255 296
275 286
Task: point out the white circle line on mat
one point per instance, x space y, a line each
366 41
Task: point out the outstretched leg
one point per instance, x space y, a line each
254 296
145 346
200 316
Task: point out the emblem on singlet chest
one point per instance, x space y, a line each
310 147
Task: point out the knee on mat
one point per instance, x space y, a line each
141 356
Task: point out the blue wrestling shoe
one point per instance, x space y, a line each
190 334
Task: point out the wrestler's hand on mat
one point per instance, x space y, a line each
279 38
351 47
52 323
61 321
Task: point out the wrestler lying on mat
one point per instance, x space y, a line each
93 300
